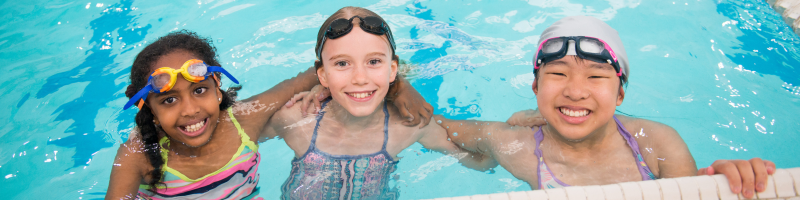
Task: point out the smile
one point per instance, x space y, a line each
361 95
194 129
574 113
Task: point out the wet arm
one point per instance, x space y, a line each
435 138
126 173
471 135
674 158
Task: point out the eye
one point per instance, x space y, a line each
200 90
597 77
375 61
169 100
340 64
557 74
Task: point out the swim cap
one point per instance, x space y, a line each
591 27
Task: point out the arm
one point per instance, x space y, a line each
529 118
126 172
260 108
435 138
478 136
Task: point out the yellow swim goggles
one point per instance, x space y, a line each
163 79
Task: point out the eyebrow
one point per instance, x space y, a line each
601 66
337 56
376 54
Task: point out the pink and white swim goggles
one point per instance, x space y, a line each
589 48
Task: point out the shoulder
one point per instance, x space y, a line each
132 155
651 132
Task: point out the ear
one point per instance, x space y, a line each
393 76
621 95
533 86
323 78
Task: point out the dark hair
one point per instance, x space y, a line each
140 71
345 12
623 80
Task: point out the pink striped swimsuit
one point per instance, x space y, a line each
236 180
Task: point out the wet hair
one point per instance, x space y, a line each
623 80
142 68
345 12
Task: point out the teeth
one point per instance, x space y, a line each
195 127
360 95
574 113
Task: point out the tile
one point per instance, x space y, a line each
556 194
784 183
724 188
537 194
594 193
795 172
500 196
612 191
707 186
689 188
575 193
522 195
669 188
631 190
769 190
480 197
460 198
650 190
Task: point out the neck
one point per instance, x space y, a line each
351 122
596 140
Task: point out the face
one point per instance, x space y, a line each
357 69
189 111
577 97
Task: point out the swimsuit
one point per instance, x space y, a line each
319 175
236 180
547 180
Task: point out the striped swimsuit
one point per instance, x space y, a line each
236 180
548 181
319 175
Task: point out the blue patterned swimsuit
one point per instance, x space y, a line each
319 175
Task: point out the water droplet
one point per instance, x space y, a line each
455 134
439 121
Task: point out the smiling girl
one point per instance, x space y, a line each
191 140
349 149
580 69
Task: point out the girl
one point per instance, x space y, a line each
350 148
580 68
191 139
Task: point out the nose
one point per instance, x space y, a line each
189 107
577 89
360 75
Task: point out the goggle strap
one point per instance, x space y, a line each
220 69
141 103
142 94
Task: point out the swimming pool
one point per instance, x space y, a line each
722 73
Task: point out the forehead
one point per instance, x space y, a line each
174 59
356 42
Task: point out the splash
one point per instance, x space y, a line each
512 148
247 108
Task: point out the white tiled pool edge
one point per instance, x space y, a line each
784 184
790 10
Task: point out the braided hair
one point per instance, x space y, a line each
140 71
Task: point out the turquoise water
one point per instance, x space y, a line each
722 73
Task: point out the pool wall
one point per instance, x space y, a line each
783 184
790 10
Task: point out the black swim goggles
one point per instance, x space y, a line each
589 48
342 26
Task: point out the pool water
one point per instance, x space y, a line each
723 73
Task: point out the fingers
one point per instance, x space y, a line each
760 172
324 94
305 104
405 114
295 98
731 172
427 114
770 167
748 178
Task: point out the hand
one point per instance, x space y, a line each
310 98
529 118
743 176
412 106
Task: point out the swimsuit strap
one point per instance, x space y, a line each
316 127
538 136
643 169
385 128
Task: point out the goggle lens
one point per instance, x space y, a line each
160 81
553 45
198 69
590 45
